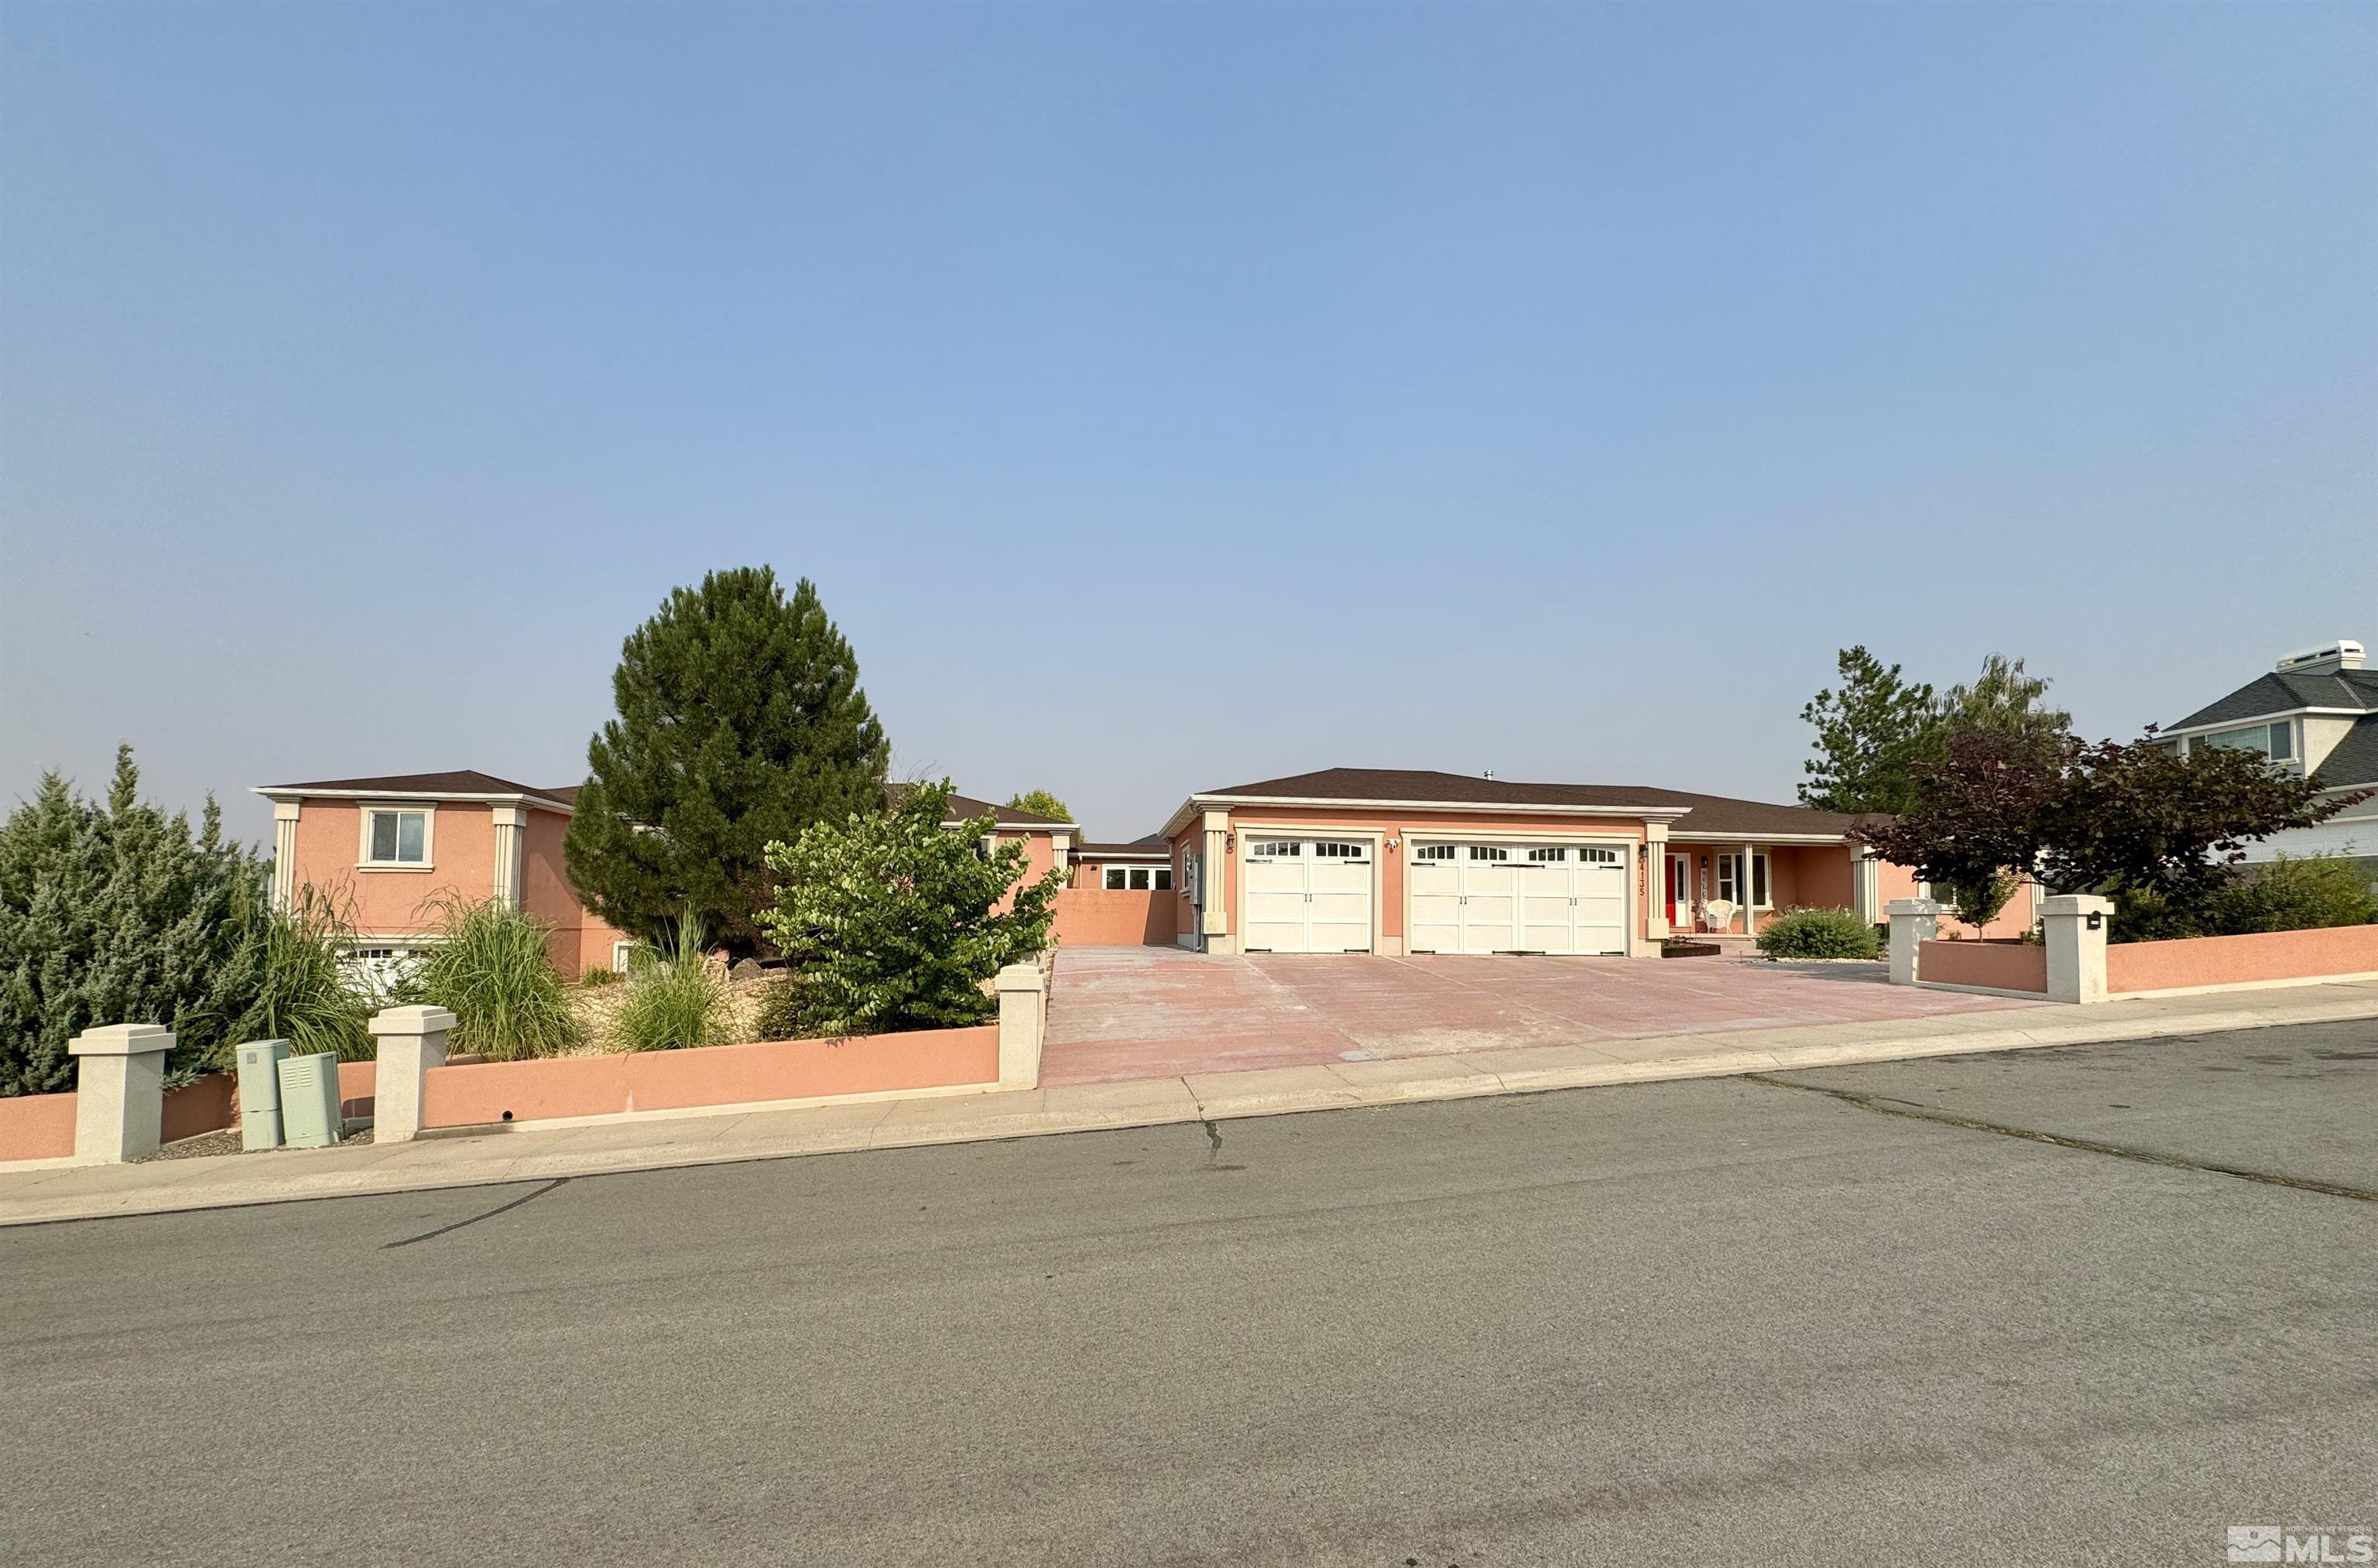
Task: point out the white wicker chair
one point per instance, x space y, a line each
1719 913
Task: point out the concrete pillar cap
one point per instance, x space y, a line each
2075 904
121 1039
1022 977
412 1020
1912 906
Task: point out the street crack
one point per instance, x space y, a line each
500 1208
1881 1106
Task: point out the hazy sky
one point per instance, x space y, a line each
1167 398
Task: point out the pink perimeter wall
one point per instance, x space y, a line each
2236 960
1115 918
719 1075
2002 966
37 1127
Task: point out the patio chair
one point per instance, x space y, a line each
1719 913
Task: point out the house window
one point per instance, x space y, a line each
2275 741
1728 879
1115 878
396 836
1139 879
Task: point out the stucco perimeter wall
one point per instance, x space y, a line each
2262 957
2001 966
720 1075
380 901
1115 918
37 1127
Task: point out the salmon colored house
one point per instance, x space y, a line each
386 850
1395 862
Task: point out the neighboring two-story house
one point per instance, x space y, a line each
2314 714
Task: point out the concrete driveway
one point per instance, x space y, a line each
1151 1013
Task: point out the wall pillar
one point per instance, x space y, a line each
284 853
1745 874
412 1041
2074 927
1023 1025
119 1091
1913 920
510 823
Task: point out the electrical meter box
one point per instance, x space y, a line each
259 1093
309 1101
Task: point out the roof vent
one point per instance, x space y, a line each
2327 659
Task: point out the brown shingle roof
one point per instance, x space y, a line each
460 781
1709 814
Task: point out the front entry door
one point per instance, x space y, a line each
1680 891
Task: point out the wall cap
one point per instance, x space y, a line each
412 1020
121 1039
1913 906
2075 904
1022 977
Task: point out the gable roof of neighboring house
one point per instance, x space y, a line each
459 783
1698 815
2281 691
1154 846
2354 759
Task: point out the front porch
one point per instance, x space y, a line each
1706 893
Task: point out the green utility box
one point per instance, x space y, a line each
309 1101
259 1093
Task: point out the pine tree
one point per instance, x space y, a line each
114 914
1868 734
740 723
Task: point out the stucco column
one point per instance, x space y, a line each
284 853
119 1091
1655 884
1913 920
1746 875
1863 884
412 1041
510 822
1213 895
1023 1025
2074 927
1060 851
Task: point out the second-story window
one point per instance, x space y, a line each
2275 741
396 836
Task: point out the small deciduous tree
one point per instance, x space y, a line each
2003 697
1040 803
741 723
890 921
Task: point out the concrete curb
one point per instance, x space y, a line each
48 1192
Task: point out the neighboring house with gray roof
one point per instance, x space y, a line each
2315 715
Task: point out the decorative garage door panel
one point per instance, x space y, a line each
1308 895
1518 898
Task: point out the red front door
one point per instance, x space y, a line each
1680 888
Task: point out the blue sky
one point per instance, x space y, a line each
1166 398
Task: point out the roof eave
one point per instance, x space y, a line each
466 797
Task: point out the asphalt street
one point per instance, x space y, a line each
2088 1305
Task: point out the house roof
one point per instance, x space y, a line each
464 782
2287 692
1708 814
2354 759
1155 846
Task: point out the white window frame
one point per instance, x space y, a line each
371 810
621 951
1762 875
2212 739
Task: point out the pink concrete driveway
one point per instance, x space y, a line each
1151 1013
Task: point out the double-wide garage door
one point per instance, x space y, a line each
1518 898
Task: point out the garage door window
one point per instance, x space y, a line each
1434 851
1330 850
1547 855
1276 849
1488 852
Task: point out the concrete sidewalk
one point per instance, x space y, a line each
659 1139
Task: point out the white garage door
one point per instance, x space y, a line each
1518 898
1308 895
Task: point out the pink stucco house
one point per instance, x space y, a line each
1344 860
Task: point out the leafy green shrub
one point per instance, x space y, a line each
2143 914
115 913
676 1001
291 980
1818 933
783 1013
890 921
597 976
491 968
2295 893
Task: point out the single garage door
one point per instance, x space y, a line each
1518 898
1308 895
